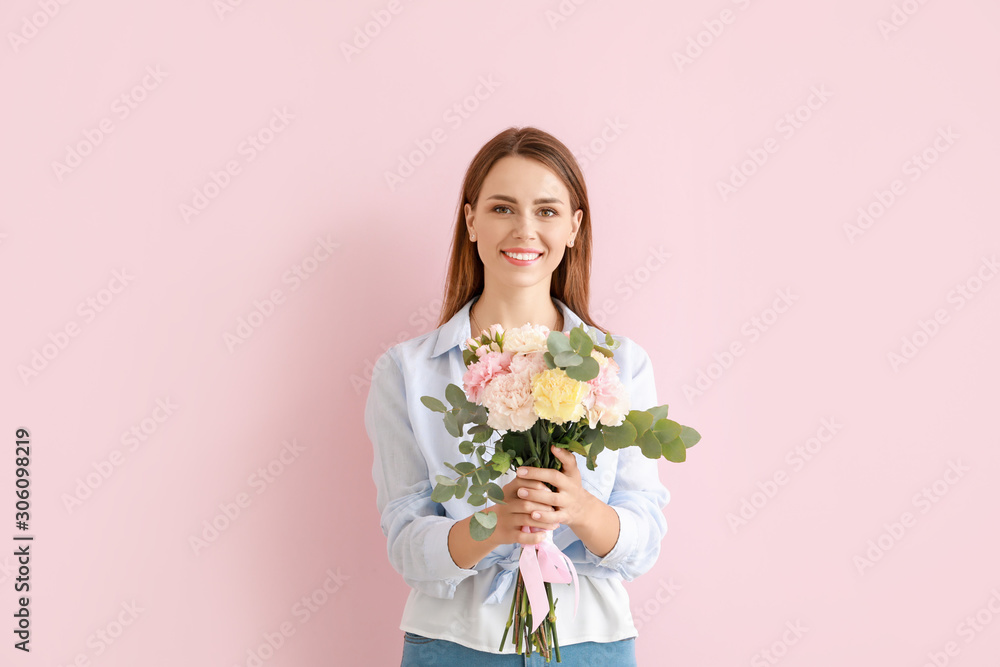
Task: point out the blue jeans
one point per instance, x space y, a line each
424 652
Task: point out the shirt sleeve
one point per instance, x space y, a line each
637 496
415 526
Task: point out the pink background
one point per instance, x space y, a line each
655 136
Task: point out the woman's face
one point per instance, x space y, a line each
524 209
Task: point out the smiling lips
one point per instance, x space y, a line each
521 258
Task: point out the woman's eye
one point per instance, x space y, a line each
501 206
550 211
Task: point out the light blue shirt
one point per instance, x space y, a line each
411 445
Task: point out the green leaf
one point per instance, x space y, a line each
586 370
445 481
666 430
580 341
469 357
574 447
465 467
568 358
558 342
433 403
689 436
465 447
501 460
494 492
674 450
477 500
640 419
477 489
650 446
605 351
482 525
451 424
456 396
659 412
460 486
442 493
549 360
596 448
617 437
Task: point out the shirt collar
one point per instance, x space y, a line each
458 329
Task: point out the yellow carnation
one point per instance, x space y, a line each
558 397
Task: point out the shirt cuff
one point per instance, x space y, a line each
624 548
437 552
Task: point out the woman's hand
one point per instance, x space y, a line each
518 511
594 522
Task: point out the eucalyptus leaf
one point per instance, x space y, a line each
477 500
465 447
674 450
451 424
617 437
482 525
433 403
605 351
558 342
494 492
549 360
640 419
659 412
666 430
568 358
460 486
465 467
586 370
580 341
689 436
442 494
445 481
650 446
455 396
501 460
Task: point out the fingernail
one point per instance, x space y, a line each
522 472
522 492
536 516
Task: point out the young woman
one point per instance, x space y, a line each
520 254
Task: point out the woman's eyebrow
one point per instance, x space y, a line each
542 200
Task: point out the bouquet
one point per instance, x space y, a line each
541 388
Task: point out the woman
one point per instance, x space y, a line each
520 254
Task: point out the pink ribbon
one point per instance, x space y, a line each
545 562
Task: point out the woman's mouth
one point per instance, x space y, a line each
521 258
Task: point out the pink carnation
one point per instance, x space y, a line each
479 375
607 401
508 399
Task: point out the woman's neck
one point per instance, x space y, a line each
513 314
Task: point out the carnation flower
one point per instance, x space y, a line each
528 338
607 402
509 402
478 376
558 397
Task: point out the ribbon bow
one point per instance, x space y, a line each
545 562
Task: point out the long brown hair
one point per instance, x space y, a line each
571 279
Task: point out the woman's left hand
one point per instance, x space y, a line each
571 502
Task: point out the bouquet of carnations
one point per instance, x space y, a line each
541 388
